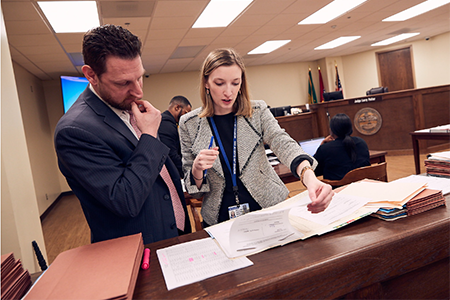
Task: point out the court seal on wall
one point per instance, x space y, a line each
367 121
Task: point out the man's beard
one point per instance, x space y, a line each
123 105
179 115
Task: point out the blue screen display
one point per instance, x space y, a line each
71 88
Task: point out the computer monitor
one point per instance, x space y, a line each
333 96
280 111
310 146
377 90
71 88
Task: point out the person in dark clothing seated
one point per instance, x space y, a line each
340 152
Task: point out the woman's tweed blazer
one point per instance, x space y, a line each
256 173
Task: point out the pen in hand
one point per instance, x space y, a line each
209 147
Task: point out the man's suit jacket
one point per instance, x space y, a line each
256 173
115 176
168 134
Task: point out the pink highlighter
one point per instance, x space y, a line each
146 259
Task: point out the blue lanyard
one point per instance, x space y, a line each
233 172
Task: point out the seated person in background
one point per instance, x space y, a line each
339 152
168 129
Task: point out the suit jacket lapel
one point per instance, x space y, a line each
109 116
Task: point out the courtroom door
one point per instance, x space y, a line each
395 67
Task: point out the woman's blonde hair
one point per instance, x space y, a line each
215 59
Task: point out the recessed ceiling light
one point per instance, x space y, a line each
396 38
337 42
416 10
331 11
269 46
70 16
220 13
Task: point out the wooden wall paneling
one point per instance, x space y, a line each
300 127
419 118
327 107
397 122
395 67
402 112
314 125
434 104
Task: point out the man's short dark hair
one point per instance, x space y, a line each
109 40
181 100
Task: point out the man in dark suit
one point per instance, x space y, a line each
108 150
168 129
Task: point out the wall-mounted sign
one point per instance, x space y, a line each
367 121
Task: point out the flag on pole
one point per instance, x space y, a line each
338 81
311 91
322 88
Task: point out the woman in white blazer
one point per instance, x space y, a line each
235 129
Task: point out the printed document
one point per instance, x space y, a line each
284 223
392 194
432 182
194 261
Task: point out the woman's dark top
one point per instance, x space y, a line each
225 127
334 161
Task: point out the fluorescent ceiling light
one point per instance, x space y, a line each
71 16
395 39
331 11
269 46
338 42
416 10
220 13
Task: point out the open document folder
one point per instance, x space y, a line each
284 223
392 194
290 220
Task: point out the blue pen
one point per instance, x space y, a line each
209 147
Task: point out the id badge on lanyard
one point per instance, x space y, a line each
238 209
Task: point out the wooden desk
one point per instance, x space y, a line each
287 177
371 259
416 136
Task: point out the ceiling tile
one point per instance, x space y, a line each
126 9
132 24
165 25
180 8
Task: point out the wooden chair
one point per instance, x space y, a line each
375 171
194 206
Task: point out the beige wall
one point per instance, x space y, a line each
432 61
431 64
19 211
39 136
53 103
